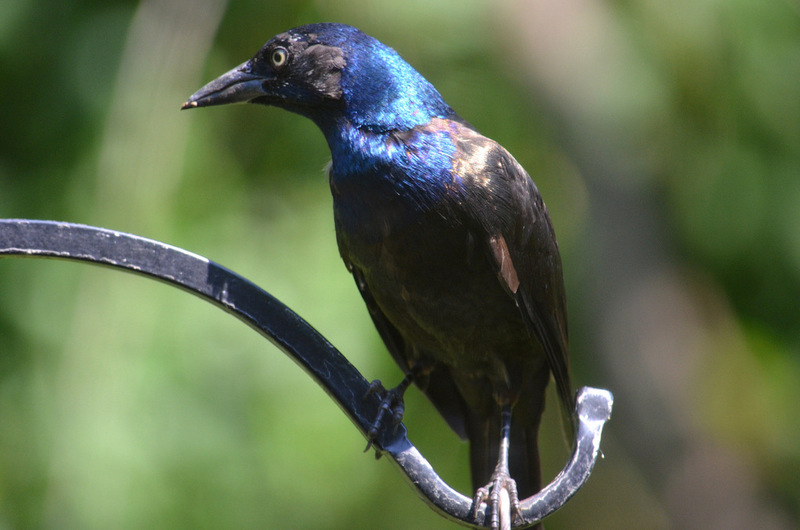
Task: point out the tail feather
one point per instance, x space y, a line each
523 462
483 431
483 444
523 457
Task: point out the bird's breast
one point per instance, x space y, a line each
429 275
402 220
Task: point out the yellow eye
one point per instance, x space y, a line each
279 57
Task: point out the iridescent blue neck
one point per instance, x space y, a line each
414 161
355 150
388 179
381 92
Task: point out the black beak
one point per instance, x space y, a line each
239 85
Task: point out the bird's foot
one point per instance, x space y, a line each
392 406
501 485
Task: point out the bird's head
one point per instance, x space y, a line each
329 73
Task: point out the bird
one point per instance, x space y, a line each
447 237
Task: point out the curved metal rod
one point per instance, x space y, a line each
295 337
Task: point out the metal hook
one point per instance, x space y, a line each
295 337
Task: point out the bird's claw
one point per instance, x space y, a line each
490 494
391 405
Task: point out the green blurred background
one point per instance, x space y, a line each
664 136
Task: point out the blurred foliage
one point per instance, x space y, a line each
127 404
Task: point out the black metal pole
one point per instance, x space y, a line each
303 344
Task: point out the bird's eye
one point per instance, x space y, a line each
279 57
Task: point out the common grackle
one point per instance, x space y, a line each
446 235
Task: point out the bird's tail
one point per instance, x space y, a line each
523 456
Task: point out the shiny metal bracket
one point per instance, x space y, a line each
303 344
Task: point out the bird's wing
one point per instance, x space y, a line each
507 206
437 384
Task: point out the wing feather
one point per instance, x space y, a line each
438 384
522 243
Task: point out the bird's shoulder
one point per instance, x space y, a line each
483 179
477 162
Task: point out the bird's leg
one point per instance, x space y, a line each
500 480
391 403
